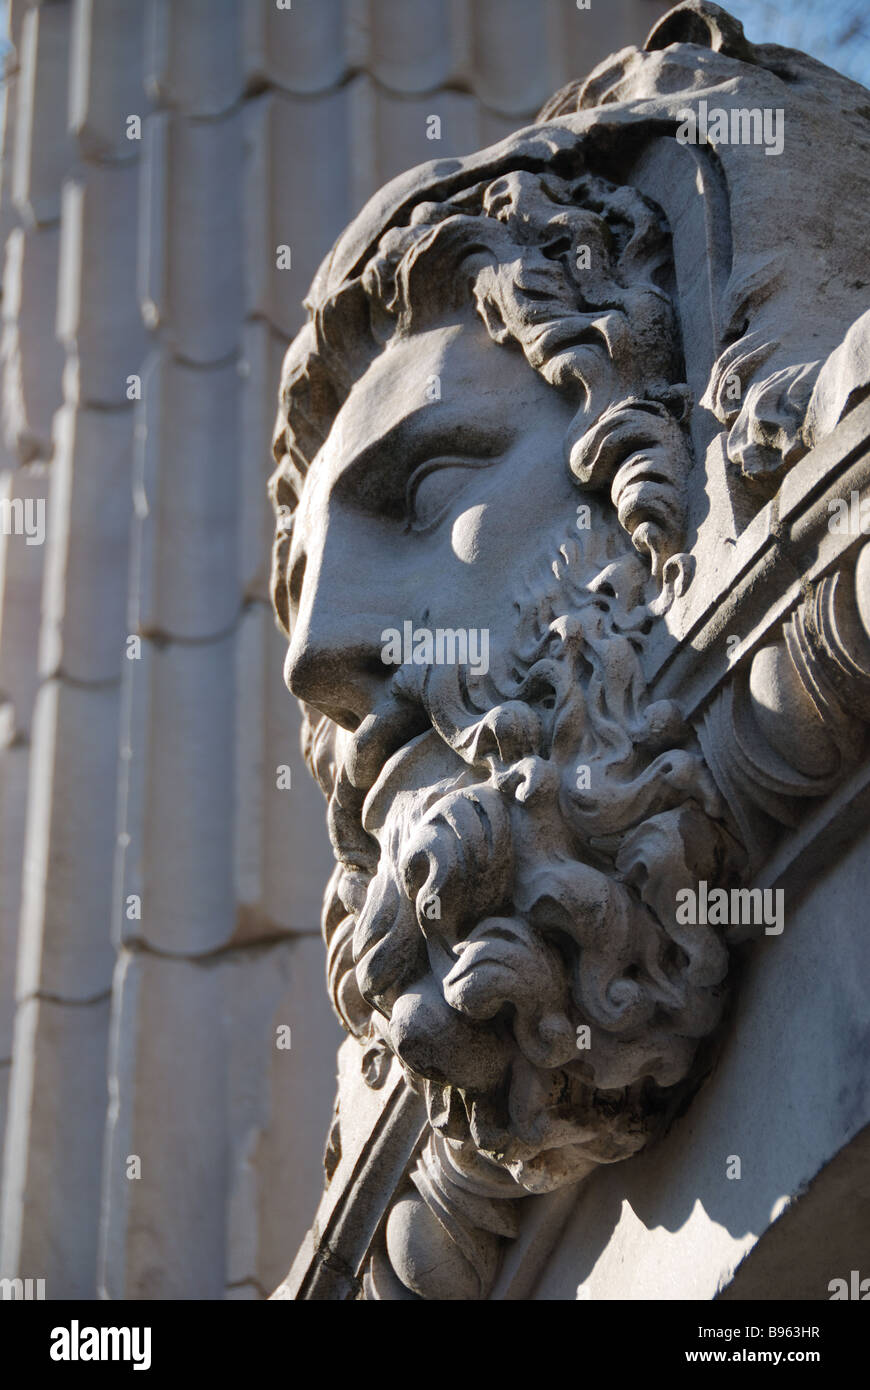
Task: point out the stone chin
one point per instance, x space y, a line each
518 937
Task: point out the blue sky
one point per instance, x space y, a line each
837 32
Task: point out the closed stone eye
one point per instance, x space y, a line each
433 488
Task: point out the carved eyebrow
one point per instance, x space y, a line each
377 475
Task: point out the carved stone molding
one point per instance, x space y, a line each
791 723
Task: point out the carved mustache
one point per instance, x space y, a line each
353 762
346 765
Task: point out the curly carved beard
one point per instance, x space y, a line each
513 930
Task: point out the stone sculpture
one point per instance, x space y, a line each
556 392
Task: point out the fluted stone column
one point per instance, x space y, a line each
159 890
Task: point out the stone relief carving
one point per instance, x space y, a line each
495 420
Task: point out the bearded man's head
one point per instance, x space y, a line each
482 432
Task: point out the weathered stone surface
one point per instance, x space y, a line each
186 582
177 763
169 1058
413 45
830 1219
260 873
308 48
106 76
282 855
390 133
193 60
22 560
276 126
9 216
5 1071
98 317
276 1162
284 208
190 248
675 1214
42 146
68 857
32 358
13 795
539 388
187 1033
260 368
359 137
503 37
84 615
509 55
55 1127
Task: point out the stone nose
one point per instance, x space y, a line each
336 671
333 662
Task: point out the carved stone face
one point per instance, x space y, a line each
423 510
538 389
479 814
512 818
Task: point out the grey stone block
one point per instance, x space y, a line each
262 354
305 49
412 45
54 1142
186 572
43 148
193 55
32 358
164 1233
279 1103
283 858
13 798
106 76
22 566
65 944
221 1118
190 247
390 134
178 860
98 316
84 620
284 208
